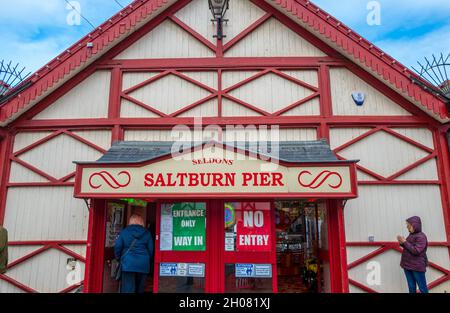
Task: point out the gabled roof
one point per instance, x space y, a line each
323 25
128 152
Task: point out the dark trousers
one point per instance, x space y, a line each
133 282
415 279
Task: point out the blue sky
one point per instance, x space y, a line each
33 32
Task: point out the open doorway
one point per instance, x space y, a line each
300 244
118 213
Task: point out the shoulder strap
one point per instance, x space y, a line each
131 246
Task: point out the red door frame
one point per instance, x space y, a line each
336 247
186 256
228 257
214 257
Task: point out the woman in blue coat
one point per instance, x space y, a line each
134 249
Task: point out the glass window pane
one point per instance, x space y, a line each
181 285
234 284
181 277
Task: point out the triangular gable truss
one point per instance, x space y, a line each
313 19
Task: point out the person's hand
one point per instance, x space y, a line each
401 239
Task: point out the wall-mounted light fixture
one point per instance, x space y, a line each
218 9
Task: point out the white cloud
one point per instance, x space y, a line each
409 30
35 31
398 12
409 51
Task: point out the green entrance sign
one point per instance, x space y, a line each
188 226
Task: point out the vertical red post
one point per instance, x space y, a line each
337 247
156 253
5 151
93 276
114 103
443 161
325 100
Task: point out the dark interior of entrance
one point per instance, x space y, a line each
299 228
118 213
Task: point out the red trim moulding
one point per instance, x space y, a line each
293 121
443 161
6 149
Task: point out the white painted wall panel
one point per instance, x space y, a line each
290 134
101 138
294 134
340 136
55 157
442 288
439 255
421 135
364 177
89 99
355 253
243 14
169 94
308 76
197 16
24 139
45 213
383 153
230 78
129 109
154 135
309 108
6 287
208 78
381 211
167 40
20 174
46 272
231 108
135 78
298 134
392 276
79 249
17 252
426 171
207 109
273 39
354 289
274 93
344 83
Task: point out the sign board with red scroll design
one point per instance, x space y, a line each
216 171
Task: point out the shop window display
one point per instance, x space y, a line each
298 230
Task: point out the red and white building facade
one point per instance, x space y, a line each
284 63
